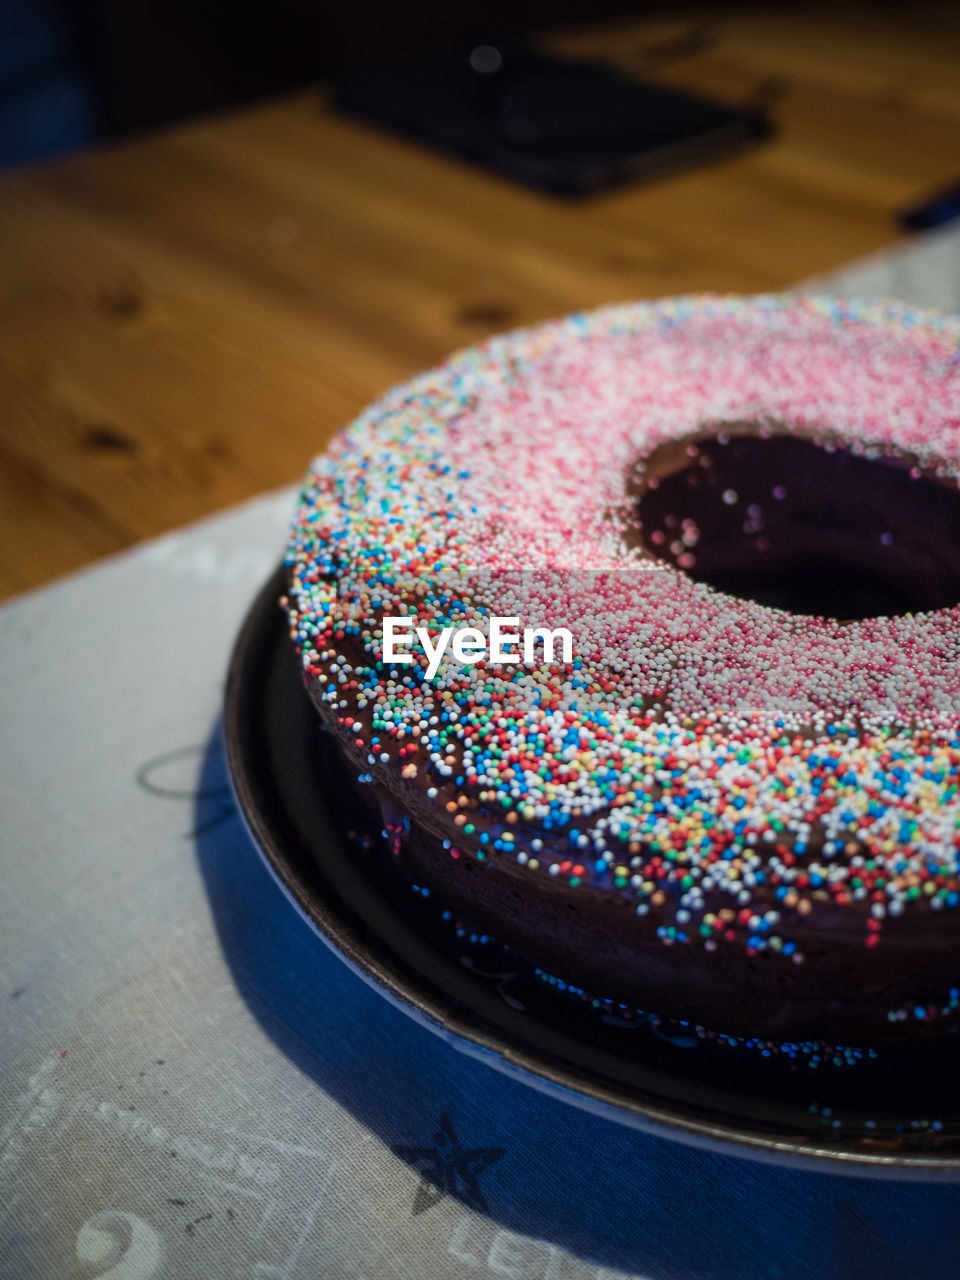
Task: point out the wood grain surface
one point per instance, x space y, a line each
187 318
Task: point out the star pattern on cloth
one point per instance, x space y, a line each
447 1168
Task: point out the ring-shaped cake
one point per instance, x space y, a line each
735 812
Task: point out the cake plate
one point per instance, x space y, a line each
664 1078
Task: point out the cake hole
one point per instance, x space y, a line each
803 526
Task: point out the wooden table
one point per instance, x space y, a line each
186 319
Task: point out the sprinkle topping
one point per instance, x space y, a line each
729 766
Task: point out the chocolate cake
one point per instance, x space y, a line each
737 802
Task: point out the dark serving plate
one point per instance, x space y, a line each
896 1115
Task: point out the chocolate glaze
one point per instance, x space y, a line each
842 993
808 526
